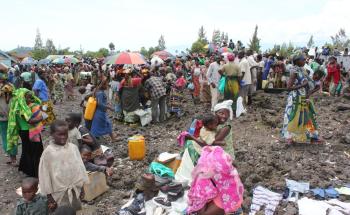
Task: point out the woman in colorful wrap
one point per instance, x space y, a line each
5 96
196 72
299 123
25 117
233 75
41 91
216 187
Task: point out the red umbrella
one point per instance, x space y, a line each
162 54
127 58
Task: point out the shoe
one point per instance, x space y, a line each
147 185
161 181
173 197
162 202
172 187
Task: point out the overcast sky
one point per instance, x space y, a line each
131 24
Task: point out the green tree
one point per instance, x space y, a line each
144 52
38 42
39 54
216 37
111 47
102 52
50 47
202 34
198 46
151 50
340 40
311 42
222 38
255 41
161 43
226 38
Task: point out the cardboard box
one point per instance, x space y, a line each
97 185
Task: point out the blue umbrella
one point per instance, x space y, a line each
44 61
58 61
29 61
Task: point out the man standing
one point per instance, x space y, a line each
214 76
247 77
253 65
157 89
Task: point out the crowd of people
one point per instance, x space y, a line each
29 92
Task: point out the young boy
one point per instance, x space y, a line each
85 153
31 203
61 170
74 135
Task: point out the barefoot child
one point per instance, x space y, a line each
31 203
61 170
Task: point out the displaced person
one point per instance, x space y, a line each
233 75
62 171
196 72
24 120
101 124
297 128
31 203
214 76
40 89
86 155
73 120
6 90
216 187
157 90
205 96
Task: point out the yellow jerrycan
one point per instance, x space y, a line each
90 108
137 147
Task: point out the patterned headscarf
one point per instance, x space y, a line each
18 106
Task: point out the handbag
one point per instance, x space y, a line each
222 84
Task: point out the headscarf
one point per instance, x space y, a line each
18 106
225 105
219 177
230 57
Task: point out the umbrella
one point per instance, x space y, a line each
163 54
225 49
127 58
156 61
58 61
44 61
29 61
69 60
3 67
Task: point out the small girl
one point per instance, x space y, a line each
207 134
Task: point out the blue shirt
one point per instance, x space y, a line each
40 86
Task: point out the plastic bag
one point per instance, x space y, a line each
240 108
161 170
222 83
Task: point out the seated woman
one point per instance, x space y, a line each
216 187
129 93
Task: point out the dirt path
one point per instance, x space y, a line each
260 158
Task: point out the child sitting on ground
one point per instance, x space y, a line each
74 135
31 203
89 141
85 153
207 134
62 172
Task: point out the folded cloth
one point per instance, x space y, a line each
181 138
318 193
331 193
343 191
295 188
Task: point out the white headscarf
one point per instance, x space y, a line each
225 105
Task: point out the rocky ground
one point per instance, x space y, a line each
260 157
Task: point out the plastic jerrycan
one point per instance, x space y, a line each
137 147
90 108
